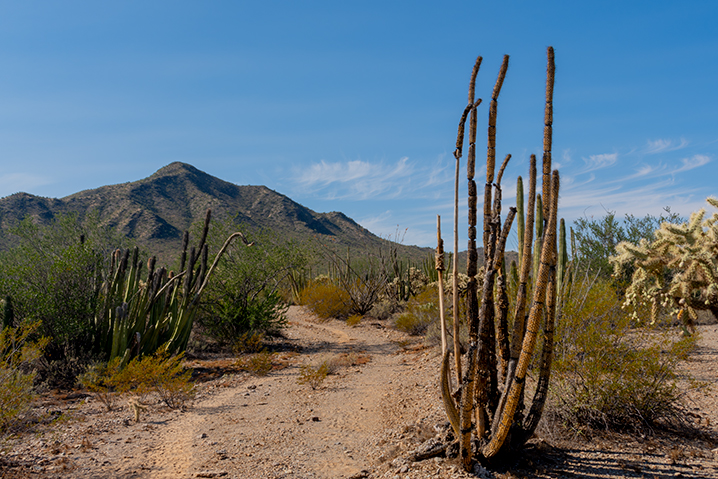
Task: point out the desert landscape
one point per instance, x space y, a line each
366 420
431 244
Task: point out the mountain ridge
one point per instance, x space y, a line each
155 211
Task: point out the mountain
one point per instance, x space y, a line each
157 210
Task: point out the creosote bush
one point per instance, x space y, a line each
420 312
17 355
610 374
247 293
159 374
326 299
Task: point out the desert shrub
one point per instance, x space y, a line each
313 376
383 309
611 374
100 379
17 354
354 320
259 364
160 374
245 293
419 313
53 275
249 342
326 299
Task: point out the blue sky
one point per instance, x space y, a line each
353 106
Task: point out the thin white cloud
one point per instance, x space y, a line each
15 182
693 162
597 162
357 178
362 180
662 146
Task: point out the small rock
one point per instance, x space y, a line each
360 475
480 471
202 436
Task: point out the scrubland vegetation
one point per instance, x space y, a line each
615 357
606 310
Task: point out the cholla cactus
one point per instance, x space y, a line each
677 271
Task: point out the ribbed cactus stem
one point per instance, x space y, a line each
520 222
562 257
538 246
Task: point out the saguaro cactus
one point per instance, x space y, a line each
488 411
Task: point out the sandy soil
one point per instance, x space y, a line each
363 421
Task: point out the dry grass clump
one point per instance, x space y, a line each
249 342
259 364
314 376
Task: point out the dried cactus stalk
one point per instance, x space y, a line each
532 329
548 131
491 150
439 264
520 218
490 352
541 393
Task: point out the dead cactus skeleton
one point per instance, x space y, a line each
488 415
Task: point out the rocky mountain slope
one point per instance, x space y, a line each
155 211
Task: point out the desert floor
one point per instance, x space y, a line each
363 421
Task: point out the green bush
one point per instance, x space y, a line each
245 293
420 312
610 374
17 354
53 275
326 299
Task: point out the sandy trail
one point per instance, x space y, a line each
272 426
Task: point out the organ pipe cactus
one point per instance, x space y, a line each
139 317
488 411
